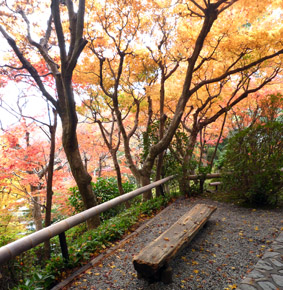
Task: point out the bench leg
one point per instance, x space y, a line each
166 275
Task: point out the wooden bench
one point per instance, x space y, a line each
216 184
152 262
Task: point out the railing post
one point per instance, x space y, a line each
64 246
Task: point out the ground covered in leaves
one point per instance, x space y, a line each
219 257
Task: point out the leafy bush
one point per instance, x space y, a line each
105 189
253 160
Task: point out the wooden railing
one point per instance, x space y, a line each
17 247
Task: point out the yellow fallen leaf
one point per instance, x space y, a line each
166 239
96 274
196 271
194 263
256 228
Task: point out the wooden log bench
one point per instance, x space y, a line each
216 184
152 263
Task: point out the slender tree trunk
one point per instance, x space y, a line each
158 172
36 213
202 163
184 183
162 120
49 191
100 166
218 141
36 207
145 180
119 176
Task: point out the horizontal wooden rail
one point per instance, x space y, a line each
17 247
206 176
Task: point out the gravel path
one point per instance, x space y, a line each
219 257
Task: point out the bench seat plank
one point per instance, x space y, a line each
215 183
157 254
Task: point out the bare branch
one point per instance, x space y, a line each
237 70
28 66
59 31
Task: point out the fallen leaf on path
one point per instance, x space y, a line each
196 271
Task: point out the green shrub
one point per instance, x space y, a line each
105 189
254 160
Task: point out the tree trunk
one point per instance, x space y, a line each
218 141
162 120
71 147
100 160
36 213
184 182
119 176
145 180
81 176
158 172
49 191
